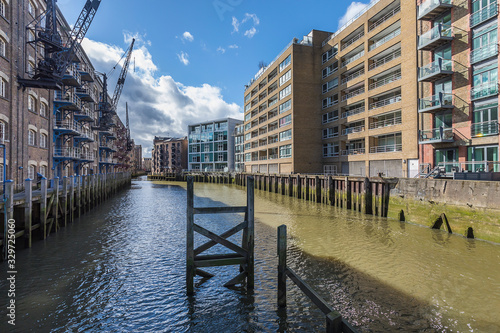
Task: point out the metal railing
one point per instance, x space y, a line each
68 97
384 40
384 60
484 90
389 79
273 157
273 140
356 151
328 73
479 166
353 93
385 102
353 112
429 5
69 152
435 101
330 103
384 18
386 123
351 130
484 52
485 128
353 76
353 58
386 149
435 67
439 134
70 125
439 31
352 40
484 14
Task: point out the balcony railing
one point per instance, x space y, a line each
384 40
351 130
67 152
384 60
353 93
386 123
389 79
353 58
353 112
71 100
484 14
484 90
436 135
328 73
385 102
273 140
436 70
353 76
262 144
330 103
356 151
88 156
386 149
439 35
72 77
273 157
352 40
431 8
485 128
436 102
384 18
67 125
484 52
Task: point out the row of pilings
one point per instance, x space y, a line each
34 210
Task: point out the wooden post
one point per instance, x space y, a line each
331 191
282 181
190 269
64 202
71 198
78 195
348 193
299 188
368 196
386 193
290 186
306 195
318 189
43 207
275 184
55 205
28 210
250 235
282 265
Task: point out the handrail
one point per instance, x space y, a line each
384 40
392 78
352 40
386 123
385 102
353 58
353 112
353 76
384 60
386 148
484 14
384 18
353 93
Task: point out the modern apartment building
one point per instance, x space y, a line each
458 85
239 148
169 155
49 132
212 145
282 111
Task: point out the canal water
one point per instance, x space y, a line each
121 268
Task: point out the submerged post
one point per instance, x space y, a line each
250 234
190 238
282 265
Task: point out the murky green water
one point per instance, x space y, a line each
121 269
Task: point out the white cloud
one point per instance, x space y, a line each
158 105
354 8
187 36
183 57
234 46
248 17
221 50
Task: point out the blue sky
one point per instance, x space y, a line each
193 58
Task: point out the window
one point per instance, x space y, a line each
331 150
286 77
248 136
286 106
247 98
248 157
31 36
286 120
3 10
329 54
285 92
31 103
330 69
247 107
1 173
329 101
3 47
3 88
285 63
31 172
286 135
330 116
248 116
330 85
43 140
31 68
478 5
248 126
3 132
31 8
331 132
43 109
43 170
31 137
286 151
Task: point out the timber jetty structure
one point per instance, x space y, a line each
37 209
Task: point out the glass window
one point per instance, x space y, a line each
330 85
3 135
31 137
248 116
329 54
43 109
286 151
286 135
3 88
31 8
3 47
284 64
477 5
286 92
43 170
286 120
43 140
1 173
286 77
485 37
331 150
286 106
31 172
3 11
247 98
31 103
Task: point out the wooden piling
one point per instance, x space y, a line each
28 211
282 256
299 188
318 189
43 207
368 196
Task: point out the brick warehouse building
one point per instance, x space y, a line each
363 100
45 131
169 155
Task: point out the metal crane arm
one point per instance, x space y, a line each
121 79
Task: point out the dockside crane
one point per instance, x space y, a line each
50 70
129 140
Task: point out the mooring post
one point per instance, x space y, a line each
290 186
331 191
71 197
348 193
282 181
64 202
250 234
28 210
190 269
299 188
368 196
78 194
306 181
55 205
318 189
43 207
333 322
282 265
386 197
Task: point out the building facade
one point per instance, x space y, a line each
146 164
458 85
48 132
239 148
169 155
211 145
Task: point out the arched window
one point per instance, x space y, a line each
3 131
2 171
31 103
43 140
31 8
43 109
43 170
3 47
31 137
31 171
3 88
3 8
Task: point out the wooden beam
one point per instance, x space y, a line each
219 210
227 234
219 239
282 245
219 262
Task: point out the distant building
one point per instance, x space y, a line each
239 148
211 145
137 158
146 164
169 155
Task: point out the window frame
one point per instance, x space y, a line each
31 138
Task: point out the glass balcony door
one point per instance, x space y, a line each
443 53
444 119
446 157
482 154
477 5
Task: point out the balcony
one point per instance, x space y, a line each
352 130
484 129
87 156
84 115
386 80
484 90
353 58
385 102
430 9
85 136
356 151
484 14
384 18
483 53
86 94
384 40
353 112
72 77
436 135
386 149
273 140
384 60
437 36
67 127
353 93
352 40
67 101
436 70
435 103
386 123
353 76
67 153
85 74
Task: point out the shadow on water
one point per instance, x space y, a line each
122 268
